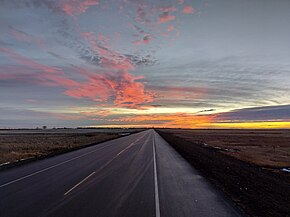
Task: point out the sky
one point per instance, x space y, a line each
145 63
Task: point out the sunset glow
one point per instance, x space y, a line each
125 63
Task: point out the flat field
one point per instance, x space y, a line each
17 145
266 148
241 164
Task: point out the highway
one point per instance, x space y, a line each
134 176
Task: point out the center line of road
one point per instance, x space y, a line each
79 183
106 164
133 143
157 205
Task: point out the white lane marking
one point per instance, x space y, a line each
70 190
133 143
51 167
157 205
101 168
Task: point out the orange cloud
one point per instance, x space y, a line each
114 85
188 10
177 120
122 88
170 28
166 17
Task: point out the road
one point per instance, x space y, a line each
133 176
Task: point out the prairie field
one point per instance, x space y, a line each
22 146
267 148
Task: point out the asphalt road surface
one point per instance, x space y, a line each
133 176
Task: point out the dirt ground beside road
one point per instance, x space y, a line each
266 148
259 192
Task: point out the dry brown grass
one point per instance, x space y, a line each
267 148
14 147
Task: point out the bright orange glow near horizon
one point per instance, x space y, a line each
176 64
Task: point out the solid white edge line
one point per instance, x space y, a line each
70 190
51 167
157 205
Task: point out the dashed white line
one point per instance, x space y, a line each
70 190
101 168
157 205
56 165
51 167
133 143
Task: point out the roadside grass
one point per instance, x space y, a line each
21 147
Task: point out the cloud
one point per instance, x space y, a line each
142 16
170 28
181 1
31 101
146 40
76 7
188 10
168 9
122 88
22 36
179 92
266 113
166 17
177 120
28 62
91 38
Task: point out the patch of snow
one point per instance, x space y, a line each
4 164
25 159
222 149
286 170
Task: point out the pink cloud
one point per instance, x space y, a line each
110 59
170 28
166 17
146 40
90 37
181 1
21 36
179 93
56 80
122 64
168 9
188 10
28 62
113 85
138 42
141 15
39 78
123 88
76 7
46 75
